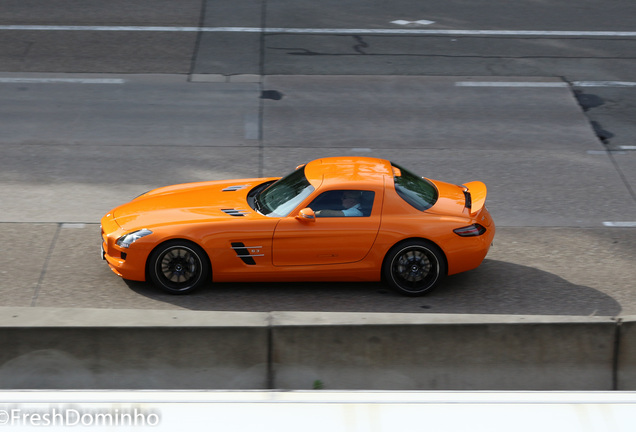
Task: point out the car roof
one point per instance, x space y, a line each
343 170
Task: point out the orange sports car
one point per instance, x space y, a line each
333 219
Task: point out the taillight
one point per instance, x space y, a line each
473 230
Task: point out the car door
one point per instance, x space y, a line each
328 240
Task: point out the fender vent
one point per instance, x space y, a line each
247 253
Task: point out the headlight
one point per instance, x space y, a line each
126 240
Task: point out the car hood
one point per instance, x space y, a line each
186 203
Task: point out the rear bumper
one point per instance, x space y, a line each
469 253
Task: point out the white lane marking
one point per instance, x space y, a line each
73 225
605 152
603 84
418 22
627 147
458 84
544 84
252 126
548 33
620 224
509 84
19 80
450 32
99 28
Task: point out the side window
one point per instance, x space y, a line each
343 203
417 191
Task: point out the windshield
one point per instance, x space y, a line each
285 195
418 192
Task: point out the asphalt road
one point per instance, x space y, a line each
101 101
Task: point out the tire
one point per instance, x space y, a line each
414 267
178 267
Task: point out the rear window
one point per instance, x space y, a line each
417 191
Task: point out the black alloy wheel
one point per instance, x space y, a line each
414 267
178 267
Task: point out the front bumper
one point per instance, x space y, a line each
127 263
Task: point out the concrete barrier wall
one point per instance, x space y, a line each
443 352
102 349
626 358
107 349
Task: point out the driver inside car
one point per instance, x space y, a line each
350 206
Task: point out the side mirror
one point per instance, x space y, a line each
306 215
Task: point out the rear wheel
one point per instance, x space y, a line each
178 267
414 267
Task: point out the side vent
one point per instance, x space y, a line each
235 212
247 253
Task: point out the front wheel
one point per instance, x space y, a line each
414 267
178 267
